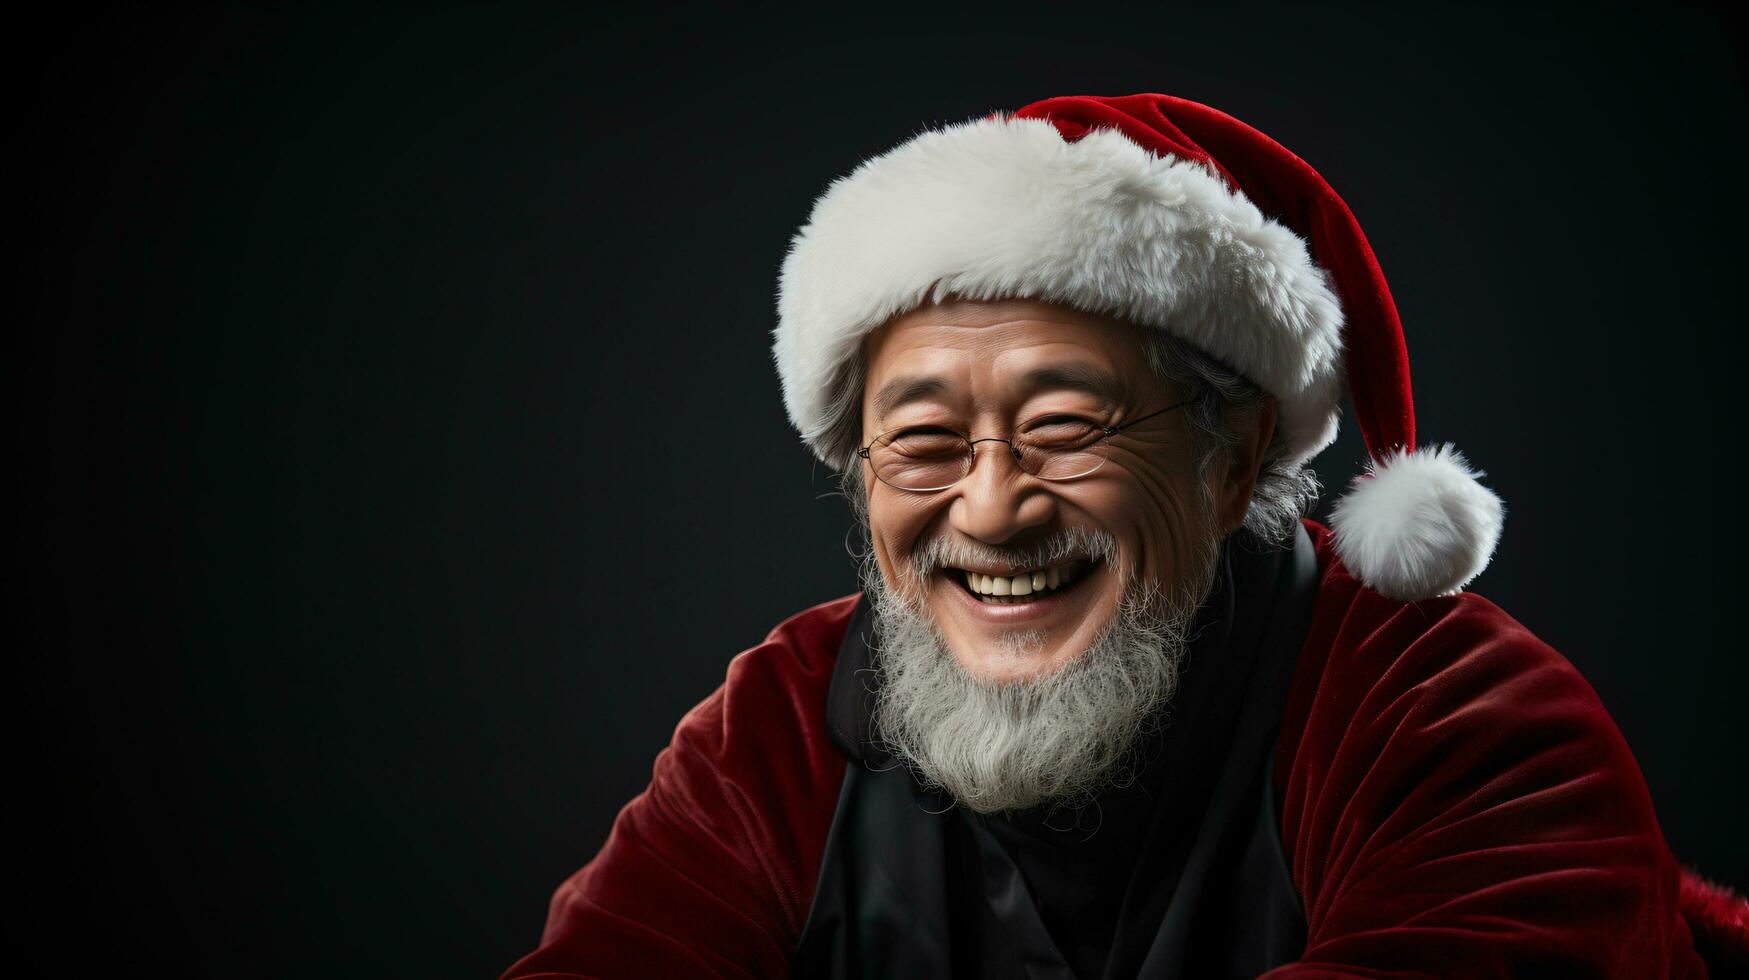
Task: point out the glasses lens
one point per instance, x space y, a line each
1062 450
920 459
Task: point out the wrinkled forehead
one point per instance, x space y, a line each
1001 348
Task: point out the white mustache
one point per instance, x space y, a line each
1069 543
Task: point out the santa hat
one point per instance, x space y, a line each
1171 215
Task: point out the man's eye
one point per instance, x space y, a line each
1061 422
1061 429
926 441
923 434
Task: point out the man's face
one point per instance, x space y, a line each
994 369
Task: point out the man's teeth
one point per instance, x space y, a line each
1006 587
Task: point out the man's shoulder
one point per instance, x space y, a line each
716 861
812 635
773 697
1451 663
1439 748
1352 621
797 656
1380 677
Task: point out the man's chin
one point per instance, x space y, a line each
1055 735
1015 657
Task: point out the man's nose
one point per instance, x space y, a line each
998 499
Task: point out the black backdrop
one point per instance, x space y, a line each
402 456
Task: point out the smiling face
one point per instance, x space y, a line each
1141 524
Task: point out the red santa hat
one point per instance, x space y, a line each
1171 215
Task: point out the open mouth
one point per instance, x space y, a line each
1025 587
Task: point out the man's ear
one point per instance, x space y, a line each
1236 477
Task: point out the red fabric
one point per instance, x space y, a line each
710 871
1286 188
1719 919
1455 803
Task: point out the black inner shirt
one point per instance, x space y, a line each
1176 873
1109 866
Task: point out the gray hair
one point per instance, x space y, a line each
1223 404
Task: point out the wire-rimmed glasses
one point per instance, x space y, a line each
927 458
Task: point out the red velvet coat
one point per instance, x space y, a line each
1455 802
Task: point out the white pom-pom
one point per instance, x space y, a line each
1417 525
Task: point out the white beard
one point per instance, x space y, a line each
1063 737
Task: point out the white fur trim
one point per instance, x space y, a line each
1003 208
1417 525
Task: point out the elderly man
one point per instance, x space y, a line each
1107 704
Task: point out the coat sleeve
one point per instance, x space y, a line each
710 871
1458 803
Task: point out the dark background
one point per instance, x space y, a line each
401 454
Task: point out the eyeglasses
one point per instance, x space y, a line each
927 458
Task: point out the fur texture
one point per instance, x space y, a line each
1719 919
1417 524
1004 208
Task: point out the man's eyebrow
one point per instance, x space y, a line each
1077 377
904 390
1073 377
